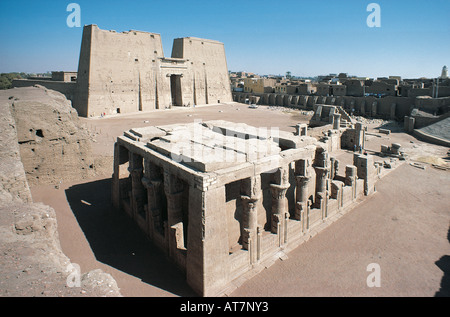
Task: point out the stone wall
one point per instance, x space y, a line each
127 72
386 108
13 182
68 89
54 146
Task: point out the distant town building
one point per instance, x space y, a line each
258 85
281 88
324 89
64 76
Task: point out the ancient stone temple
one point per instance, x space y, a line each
224 199
128 72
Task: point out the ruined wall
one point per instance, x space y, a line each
433 105
13 183
54 146
443 91
68 89
388 107
29 231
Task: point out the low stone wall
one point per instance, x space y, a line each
68 89
421 135
392 108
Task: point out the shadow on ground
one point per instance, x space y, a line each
444 264
116 241
392 126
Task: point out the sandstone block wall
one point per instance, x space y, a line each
68 89
127 72
387 107
209 70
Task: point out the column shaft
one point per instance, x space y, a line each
301 196
278 206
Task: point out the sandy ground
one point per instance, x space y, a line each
404 227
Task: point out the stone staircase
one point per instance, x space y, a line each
346 120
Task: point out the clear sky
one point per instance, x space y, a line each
308 38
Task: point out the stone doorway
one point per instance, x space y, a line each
175 89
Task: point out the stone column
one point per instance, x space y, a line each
152 180
148 186
116 179
121 156
251 194
279 206
157 188
301 196
301 204
359 136
336 121
335 168
137 189
332 165
321 179
350 178
250 220
250 231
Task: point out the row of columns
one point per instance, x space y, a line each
153 182
156 201
251 189
365 107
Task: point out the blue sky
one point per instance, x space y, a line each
308 38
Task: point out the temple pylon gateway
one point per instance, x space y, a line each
128 72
